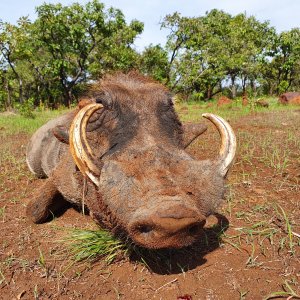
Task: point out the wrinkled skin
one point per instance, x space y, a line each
173 207
150 188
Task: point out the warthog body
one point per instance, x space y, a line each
123 157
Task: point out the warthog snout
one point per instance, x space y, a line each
171 227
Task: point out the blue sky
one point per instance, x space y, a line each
282 14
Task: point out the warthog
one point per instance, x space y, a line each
123 157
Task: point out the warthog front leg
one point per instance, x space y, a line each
46 200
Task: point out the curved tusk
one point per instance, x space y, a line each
79 144
228 140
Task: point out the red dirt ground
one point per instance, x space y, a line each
253 258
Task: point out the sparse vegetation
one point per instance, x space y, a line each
288 292
259 244
91 245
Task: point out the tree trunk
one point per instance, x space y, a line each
209 93
70 96
253 86
67 96
21 100
271 89
8 104
244 80
233 87
37 99
18 78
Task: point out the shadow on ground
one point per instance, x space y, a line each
174 261
171 261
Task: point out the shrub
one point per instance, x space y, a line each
26 109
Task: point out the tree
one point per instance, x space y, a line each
13 48
115 52
214 49
282 69
154 62
76 35
246 44
193 45
53 58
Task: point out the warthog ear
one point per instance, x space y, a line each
191 132
61 133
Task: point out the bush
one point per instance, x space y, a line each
26 109
196 97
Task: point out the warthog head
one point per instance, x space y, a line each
129 143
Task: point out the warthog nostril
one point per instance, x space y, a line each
172 226
195 229
144 228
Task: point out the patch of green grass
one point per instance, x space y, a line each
84 245
15 123
2 278
274 155
36 292
246 146
288 228
23 263
293 138
41 260
192 111
288 292
90 245
12 168
265 225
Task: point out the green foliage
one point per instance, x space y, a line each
26 109
208 51
78 36
154 62
15 123
196 96
65 47
53 59
93 244
282 70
